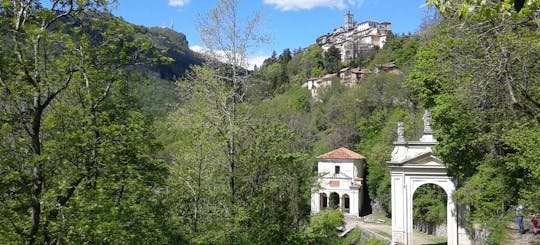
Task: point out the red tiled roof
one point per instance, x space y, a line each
341 153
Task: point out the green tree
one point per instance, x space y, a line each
246 159
272 179
429 205
222 32
480 82
194 150
285 56
322 228
274 76
487 9
312 61
76 151
332 60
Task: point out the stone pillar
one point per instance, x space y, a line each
463 238
451 221
315 201
398 208
409 194
354 207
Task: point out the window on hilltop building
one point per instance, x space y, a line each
337 169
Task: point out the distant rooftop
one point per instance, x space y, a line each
341 153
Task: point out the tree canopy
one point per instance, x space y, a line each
480 80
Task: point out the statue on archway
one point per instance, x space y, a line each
401 131
427 121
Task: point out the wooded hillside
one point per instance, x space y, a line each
106 135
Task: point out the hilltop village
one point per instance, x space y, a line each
354 41
116 133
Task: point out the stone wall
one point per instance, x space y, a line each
431 228
376 207
480 234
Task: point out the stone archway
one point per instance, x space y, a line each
427 218
404 184
413 164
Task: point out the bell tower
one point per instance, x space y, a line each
349 23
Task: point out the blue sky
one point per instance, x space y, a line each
289 23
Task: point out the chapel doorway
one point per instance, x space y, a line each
323 201
334 200
346 203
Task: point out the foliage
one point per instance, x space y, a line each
77 147
352 237
430 204
273 184
377 133
480 81
322 229
487 9
77 163
296 68
373 241
273 75
332 60
236 176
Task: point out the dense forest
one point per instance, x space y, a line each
115 133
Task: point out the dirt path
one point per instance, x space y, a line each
513 236
385 229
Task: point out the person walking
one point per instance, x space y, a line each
520 219
534 221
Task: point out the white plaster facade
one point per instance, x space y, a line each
340 176
412 165
315 85
353 39
318 85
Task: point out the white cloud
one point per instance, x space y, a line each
178 3
356 3
197 48
256 61
221 55
288 5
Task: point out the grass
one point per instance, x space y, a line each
384 234
351 237
431 238
354 235
497 228
373 241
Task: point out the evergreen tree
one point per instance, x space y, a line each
332 60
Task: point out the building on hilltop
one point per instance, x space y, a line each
355 39
318 85
339 186
347 76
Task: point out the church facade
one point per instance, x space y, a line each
354 39
339 185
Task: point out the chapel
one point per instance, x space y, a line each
340 182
